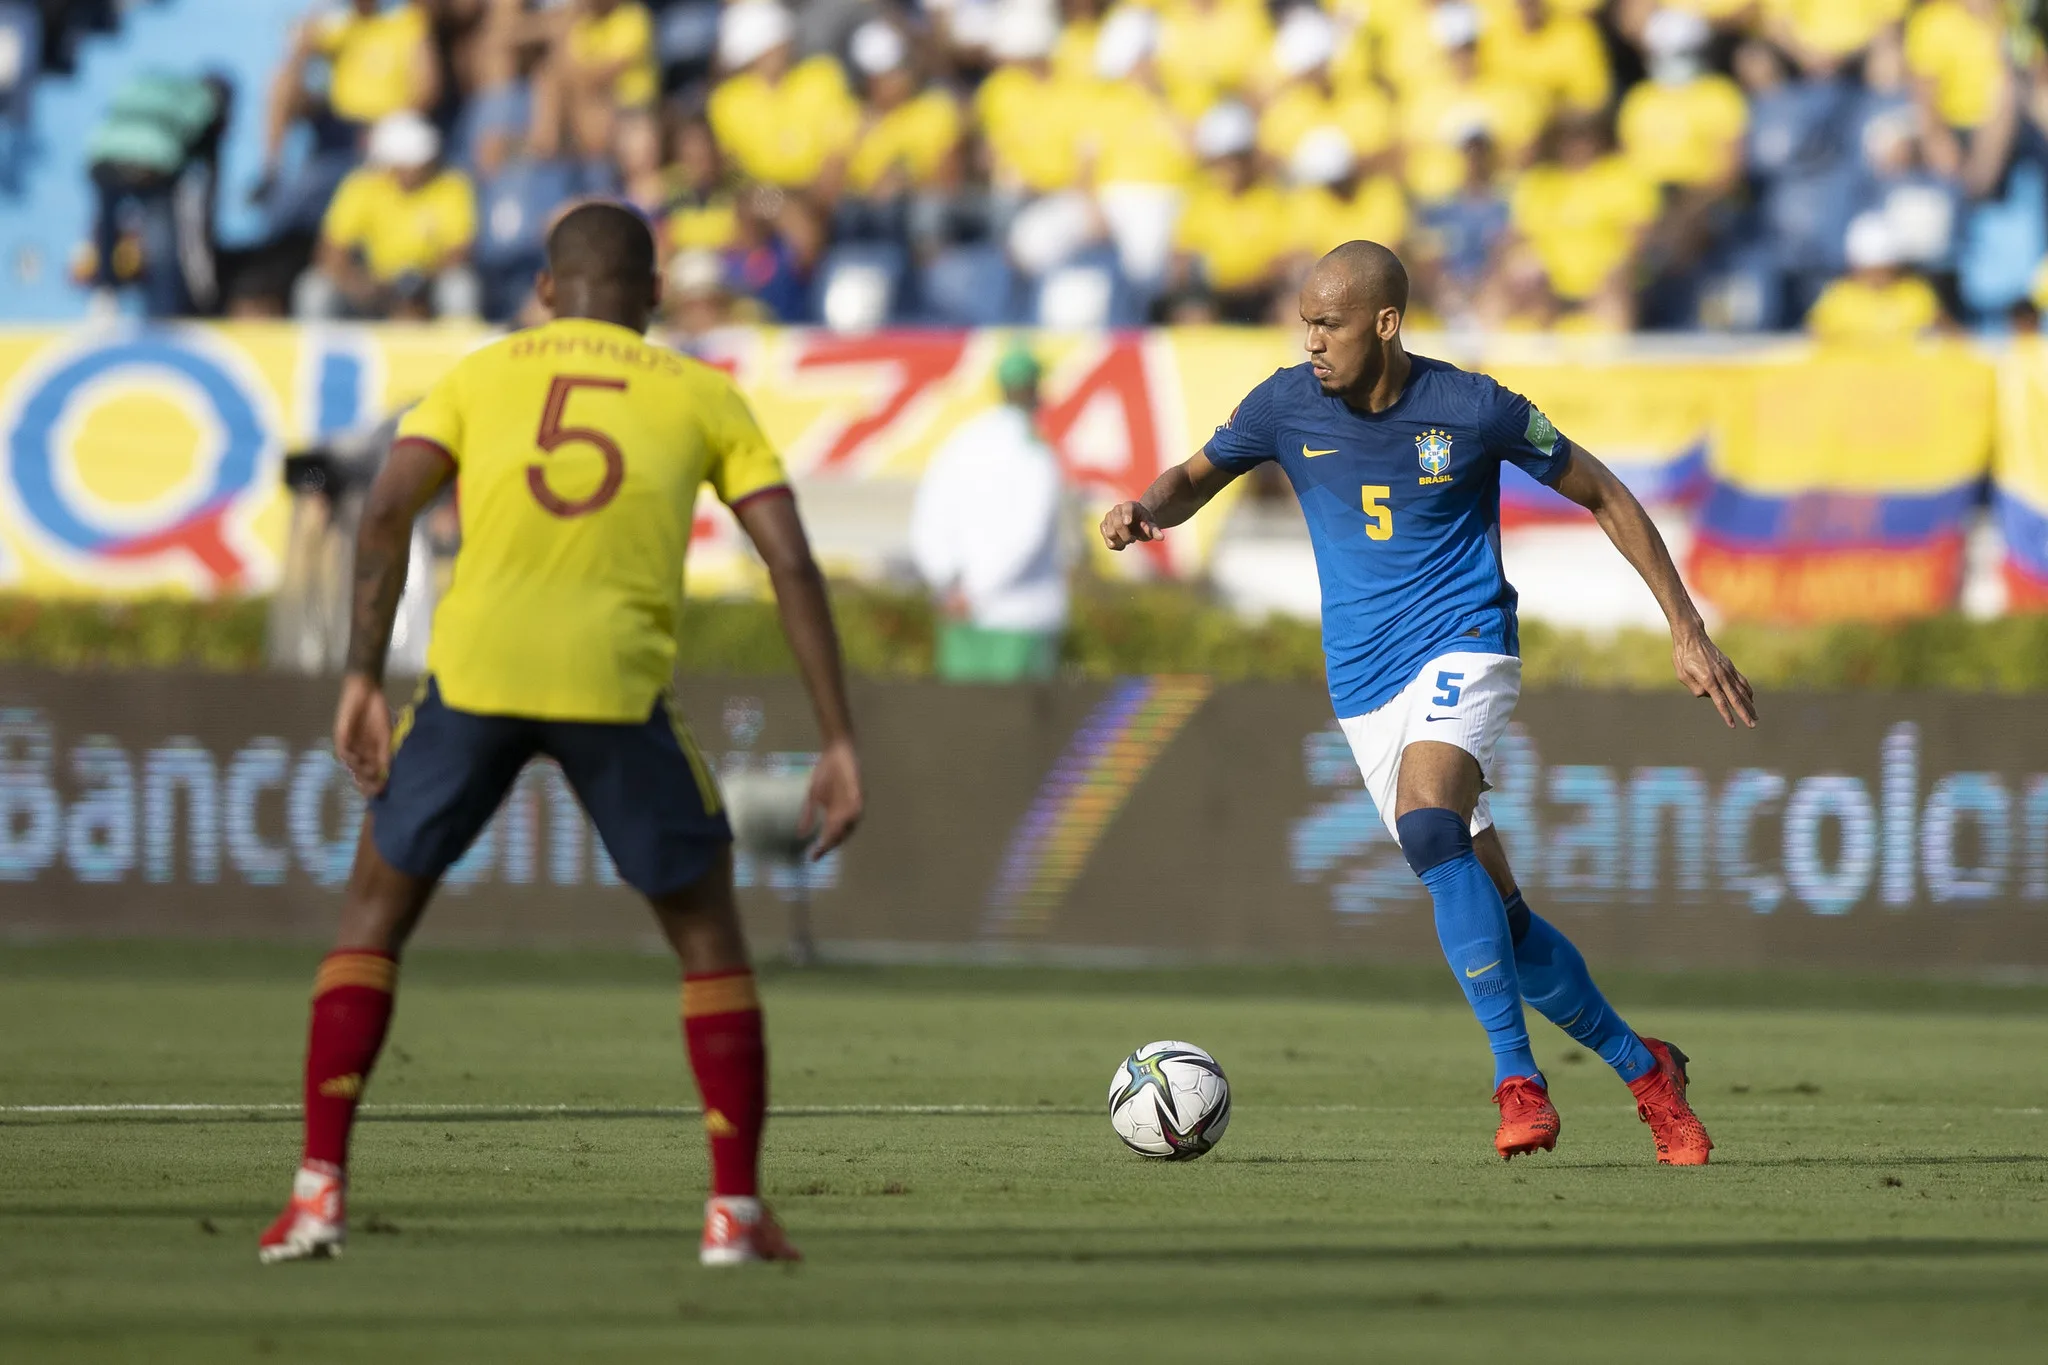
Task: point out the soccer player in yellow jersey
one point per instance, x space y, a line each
578 449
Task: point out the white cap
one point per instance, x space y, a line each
1322 157
1227 129
750 30
696 273
1304 42
1871 244
403 142
1672 32
1126 38
1025 31
878 48
1455 25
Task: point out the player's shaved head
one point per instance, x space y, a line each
1370 276
601 264
1351 304
603 243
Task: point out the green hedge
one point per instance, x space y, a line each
1117 629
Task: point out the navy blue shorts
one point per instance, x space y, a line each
645 786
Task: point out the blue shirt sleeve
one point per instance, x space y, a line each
1246 437
1518 432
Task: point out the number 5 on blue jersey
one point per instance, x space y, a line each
1382 527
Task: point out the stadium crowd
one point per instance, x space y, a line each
1867 167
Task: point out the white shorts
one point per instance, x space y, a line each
1461 699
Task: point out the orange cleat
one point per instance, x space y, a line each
1660 1102
1528 1120
313 1226
739 1231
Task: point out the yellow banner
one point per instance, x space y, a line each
150 461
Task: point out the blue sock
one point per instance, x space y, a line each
1555 980
1472 925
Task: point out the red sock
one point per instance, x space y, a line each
722 1025
351 1009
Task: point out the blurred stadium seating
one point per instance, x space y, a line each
1544 164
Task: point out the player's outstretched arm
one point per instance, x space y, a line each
1699 662
1174 496
415 471
771 522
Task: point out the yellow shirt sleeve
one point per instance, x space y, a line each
742 461
458 209
438 417
352 213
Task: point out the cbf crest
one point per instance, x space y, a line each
1433 453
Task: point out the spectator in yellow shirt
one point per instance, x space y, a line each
1556 52
701 212
907 151
380 61
1822 35
1876 303
1958 48
1584 211
1333 203
1209 49
1303 47
1234 237
1684 125
1132 151
1073 56
396 239
1437 114
781 121
1026 112
605 71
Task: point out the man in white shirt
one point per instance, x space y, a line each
985 534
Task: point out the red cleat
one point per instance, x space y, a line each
739 1231
1660 1102
1528 1120
313 1226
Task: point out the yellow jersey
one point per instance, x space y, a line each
1583 223
785 132
1850 312
1031 125
1239 238
1683 134
1363 112
373 61
1377 212
917 135
578 449
1961 54
401 231
626 36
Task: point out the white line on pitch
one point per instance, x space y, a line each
784 1111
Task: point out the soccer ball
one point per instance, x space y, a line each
1169 1100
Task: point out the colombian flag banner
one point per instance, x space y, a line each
1647 416
2020 476
1840 484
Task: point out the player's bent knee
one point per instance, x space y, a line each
1431 837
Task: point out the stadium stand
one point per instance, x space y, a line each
1544 164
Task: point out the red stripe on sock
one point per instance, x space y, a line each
350 1016
729 1056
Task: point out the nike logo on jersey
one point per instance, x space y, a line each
1308 454
1470 974
1429 718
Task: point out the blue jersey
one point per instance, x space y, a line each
1403 509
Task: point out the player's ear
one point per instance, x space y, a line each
544 290
1389 323
655 285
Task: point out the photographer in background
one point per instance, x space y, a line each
985 535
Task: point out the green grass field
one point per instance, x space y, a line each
1880 1192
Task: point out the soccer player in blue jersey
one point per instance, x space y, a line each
1396 459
